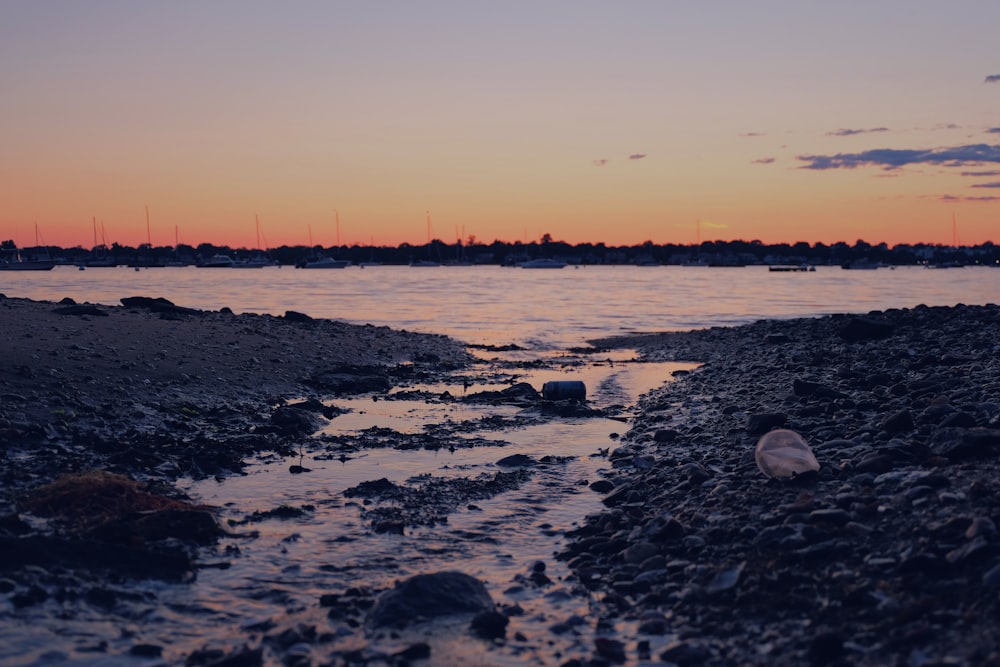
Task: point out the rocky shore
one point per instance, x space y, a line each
889 555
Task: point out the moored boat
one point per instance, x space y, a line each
543 263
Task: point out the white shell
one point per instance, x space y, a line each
783 453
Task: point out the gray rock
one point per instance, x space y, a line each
898 422
761 423
428 596
963 443
860 329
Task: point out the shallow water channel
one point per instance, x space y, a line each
308 539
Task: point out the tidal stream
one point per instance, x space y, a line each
297 537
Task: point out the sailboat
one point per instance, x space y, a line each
318 261
425 262
11 259
258 260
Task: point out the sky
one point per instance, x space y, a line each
671 121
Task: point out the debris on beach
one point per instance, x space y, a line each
783 453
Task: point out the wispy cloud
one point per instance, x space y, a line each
979 173
636 156
844 132
892 158
956 198
754 134
992 78
993 130
987 185
601 162
764 160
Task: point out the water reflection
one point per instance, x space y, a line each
330 548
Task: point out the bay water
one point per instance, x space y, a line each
537 308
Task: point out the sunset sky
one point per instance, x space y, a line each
615 122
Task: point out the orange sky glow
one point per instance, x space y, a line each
592 122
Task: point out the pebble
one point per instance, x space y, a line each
825 569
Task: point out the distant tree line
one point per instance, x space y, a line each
722 253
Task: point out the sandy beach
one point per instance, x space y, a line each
888 554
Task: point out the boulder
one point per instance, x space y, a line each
428 596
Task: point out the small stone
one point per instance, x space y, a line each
981 526
490 625
761 423
146 650
610 649
685 653
601 486
898 422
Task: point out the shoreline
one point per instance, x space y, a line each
889 554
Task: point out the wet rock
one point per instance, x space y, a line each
490 624
898 422
639 552
157 305
296 421
610 649
826 647
761 423
725 579
807 388
80 310
602 486
295 316
516 460
418 651
685 654
859 329
964 443
665 435
146 650
428 596
349 383
776 339
159 563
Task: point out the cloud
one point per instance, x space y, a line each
763 160
636 156
992 78
955 198
987 185
601 162
754 134
714 225
980 173
893 158
993 130
843 132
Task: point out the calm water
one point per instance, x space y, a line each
279 576
540 308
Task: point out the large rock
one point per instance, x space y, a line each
428 596
158 305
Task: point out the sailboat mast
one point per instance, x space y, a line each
95 230
257 219
336 214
